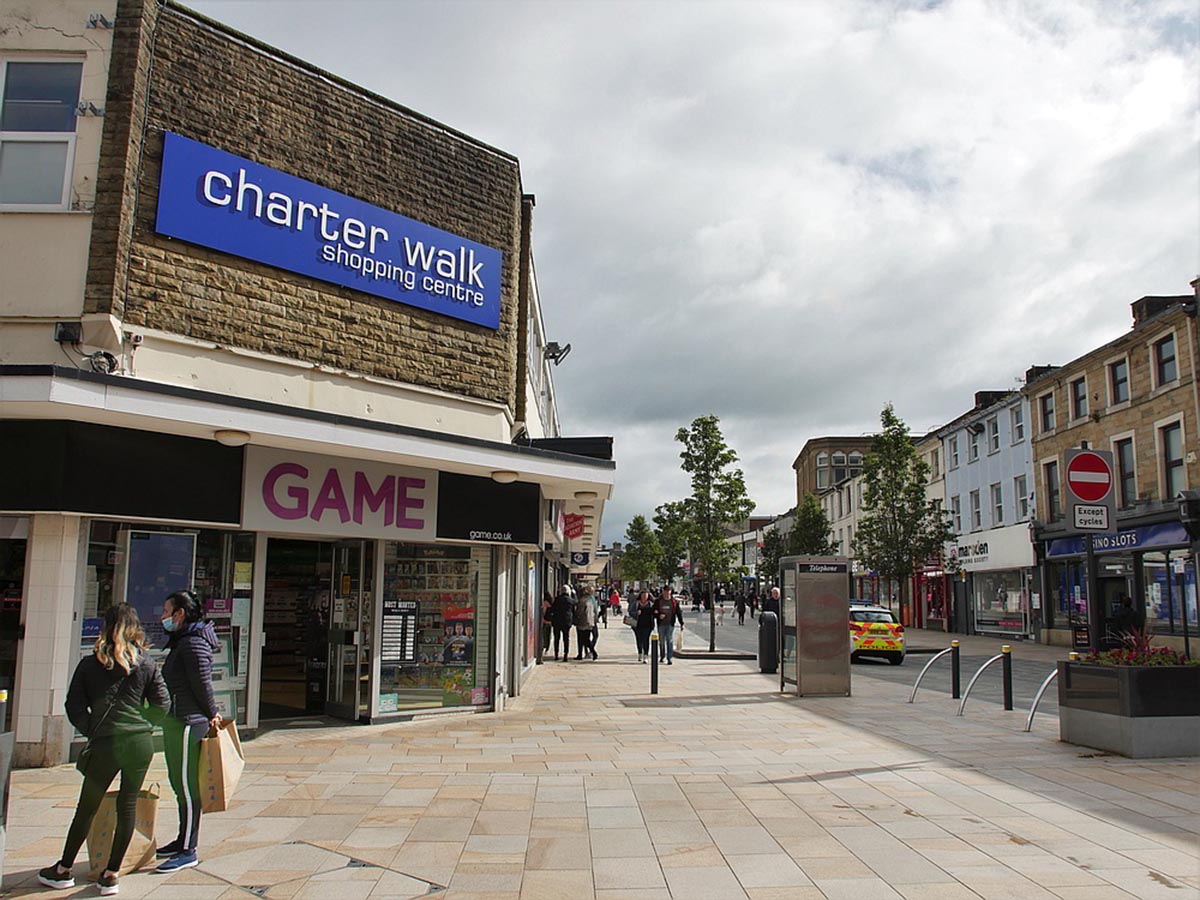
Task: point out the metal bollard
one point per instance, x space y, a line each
654 663
955 672
1007 663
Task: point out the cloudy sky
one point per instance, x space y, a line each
790 214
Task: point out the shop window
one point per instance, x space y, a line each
446 593
1174 473
1053 494
1079 399
1126 472
1165 368
993 432
1118 382
1046 409
12 592
141 564
37 133
997 505
1017 417
1167 591
1001 602
1021 495
956 513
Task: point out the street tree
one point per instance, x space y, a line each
774 549
718 497
673 530
899 529
642 554
812 535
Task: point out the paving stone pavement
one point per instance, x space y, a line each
587 787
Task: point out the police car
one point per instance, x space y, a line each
875 631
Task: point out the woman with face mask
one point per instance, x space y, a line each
187 671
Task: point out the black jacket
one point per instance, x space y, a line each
562 611
137 699
644 616
188 672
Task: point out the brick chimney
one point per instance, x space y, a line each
1033 373
987 398
1147 308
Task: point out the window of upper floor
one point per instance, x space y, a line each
1163 361
1017 421
1046 412
1079 399
976 512
993 433
973 443
1173 472
1021 496
1118 381
822 471
956 513
38 100
954 452
935 457
1125 466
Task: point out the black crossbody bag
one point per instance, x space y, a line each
85 755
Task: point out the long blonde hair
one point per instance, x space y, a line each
122 640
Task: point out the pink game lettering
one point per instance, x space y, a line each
286 493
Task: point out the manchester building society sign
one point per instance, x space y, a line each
217 200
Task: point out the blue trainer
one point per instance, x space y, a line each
185 859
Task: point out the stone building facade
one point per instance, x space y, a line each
1136 397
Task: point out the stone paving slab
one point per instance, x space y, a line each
587 787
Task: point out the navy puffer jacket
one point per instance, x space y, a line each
188 672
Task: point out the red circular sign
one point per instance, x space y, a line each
1089 477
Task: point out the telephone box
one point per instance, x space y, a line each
814 625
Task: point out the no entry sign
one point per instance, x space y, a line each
1090 490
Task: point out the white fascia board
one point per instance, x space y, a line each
44 397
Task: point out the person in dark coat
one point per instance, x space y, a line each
188 673
644 615
562 617
113 696
740 605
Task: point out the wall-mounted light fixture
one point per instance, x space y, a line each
230 438
504 476
975 428
556 352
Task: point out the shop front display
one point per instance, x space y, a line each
437 602
1001 602
999 565
141 564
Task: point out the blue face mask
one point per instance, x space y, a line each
169 625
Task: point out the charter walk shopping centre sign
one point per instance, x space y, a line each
224 202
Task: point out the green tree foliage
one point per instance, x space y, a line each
718 497
774 549
642 555
900 529
673 530
812 535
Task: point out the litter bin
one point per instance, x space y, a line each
768 643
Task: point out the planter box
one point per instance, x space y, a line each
1136 711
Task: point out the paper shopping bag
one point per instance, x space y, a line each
679 638
141 845
221 764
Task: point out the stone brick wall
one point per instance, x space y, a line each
1146 407
202 81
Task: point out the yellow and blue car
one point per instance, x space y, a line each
875 631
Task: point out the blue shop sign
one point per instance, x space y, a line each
218 200
1169 534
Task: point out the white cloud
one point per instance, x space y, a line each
788 214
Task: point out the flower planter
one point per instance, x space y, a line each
1136 711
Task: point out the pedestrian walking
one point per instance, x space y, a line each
111 695
562 617
740 604
585 623
643 614
668 613
187 671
